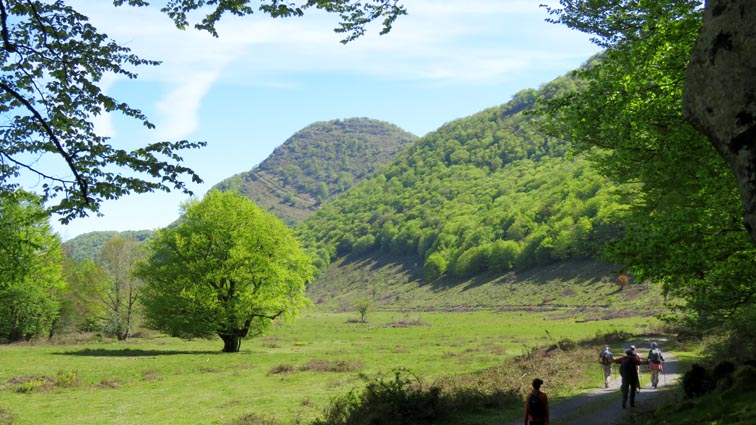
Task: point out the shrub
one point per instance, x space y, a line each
399 401
66 379
696 381
435 267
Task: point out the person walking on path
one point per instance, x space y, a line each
629 373
536 406
606 358
655 363
638 357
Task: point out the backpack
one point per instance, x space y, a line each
655 356
535 406
605 357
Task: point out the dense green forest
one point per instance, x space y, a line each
317 163
88 245
490 192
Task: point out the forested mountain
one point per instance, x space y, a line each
317 163
88 245
489 192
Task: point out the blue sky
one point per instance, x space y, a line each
263 80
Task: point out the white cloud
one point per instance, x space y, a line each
434 40
179 110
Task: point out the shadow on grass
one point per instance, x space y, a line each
128 352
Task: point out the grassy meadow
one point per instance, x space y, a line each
290 374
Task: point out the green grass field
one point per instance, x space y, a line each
289 374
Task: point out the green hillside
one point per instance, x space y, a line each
317 163
487 193
88 245
312 166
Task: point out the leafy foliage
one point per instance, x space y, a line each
485 193
84 306
317 163
51 63
51 60
686 223
355 15
227 268
31 280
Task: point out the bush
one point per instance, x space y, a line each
435 267
401 401
696 381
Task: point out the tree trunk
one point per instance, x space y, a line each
720 92
231 342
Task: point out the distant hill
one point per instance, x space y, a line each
87 246
317 163
490 193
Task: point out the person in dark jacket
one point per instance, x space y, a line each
536 406
629 373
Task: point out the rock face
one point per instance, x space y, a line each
720 91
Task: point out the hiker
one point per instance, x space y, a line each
655 363
606 358
629 373
536 406
637 356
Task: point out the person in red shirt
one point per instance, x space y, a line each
536 406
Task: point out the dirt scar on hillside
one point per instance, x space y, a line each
603 406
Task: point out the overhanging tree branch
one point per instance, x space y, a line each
51 134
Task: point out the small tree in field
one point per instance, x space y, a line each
363 305
228 269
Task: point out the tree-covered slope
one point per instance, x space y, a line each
87 246
489 192
317 163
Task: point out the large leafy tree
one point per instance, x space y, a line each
51 63
31 277
686 229
228 268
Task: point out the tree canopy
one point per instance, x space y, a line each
488 192
227 269
685 228
31 275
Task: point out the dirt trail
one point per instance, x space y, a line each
603 406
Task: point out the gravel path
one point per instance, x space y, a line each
603 406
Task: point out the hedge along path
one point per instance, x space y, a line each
603 406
